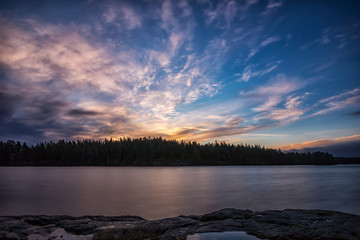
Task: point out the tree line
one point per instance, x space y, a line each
150 152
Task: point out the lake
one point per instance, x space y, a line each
158 192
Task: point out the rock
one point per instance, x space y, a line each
10 236
77 227
167 224
115 218
272 225
34 221
127 234
226 214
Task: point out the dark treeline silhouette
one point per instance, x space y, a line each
152 152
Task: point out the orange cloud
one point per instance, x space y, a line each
321 143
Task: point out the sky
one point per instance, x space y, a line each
281 74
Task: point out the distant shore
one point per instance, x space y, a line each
343 161
271 224
155 152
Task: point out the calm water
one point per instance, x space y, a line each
157 192
222 236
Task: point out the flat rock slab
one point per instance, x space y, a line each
272 225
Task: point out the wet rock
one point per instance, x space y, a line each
272 225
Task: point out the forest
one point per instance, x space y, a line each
153 152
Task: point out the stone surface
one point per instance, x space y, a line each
272 225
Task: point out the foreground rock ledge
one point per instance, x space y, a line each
287 224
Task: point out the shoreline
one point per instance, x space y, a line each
269 224
179 165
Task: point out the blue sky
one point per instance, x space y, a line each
281 74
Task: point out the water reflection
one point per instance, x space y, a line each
157 192
222 236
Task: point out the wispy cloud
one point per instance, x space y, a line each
323 66
342 146
269 41
222 13
290 112
271 6
263 44
276 101
274 4
277 86
66 68
346 94
279 101
252 71
340 36
123 16
336 102
322 142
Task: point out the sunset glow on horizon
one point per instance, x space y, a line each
282 74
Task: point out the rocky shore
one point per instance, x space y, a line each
286 224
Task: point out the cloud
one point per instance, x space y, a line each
337 102
61 73
221 132
270 40
291 112
54 70
202 123
324 66
250 71
226 15
82 112
280 101
278 86
131 18
271 102
274 4
338 35
263 44
172 23
110 15
9 103
346 94
342 147
123 16
276 103
15 129
228 18
223 12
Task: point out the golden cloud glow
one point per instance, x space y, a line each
321 143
